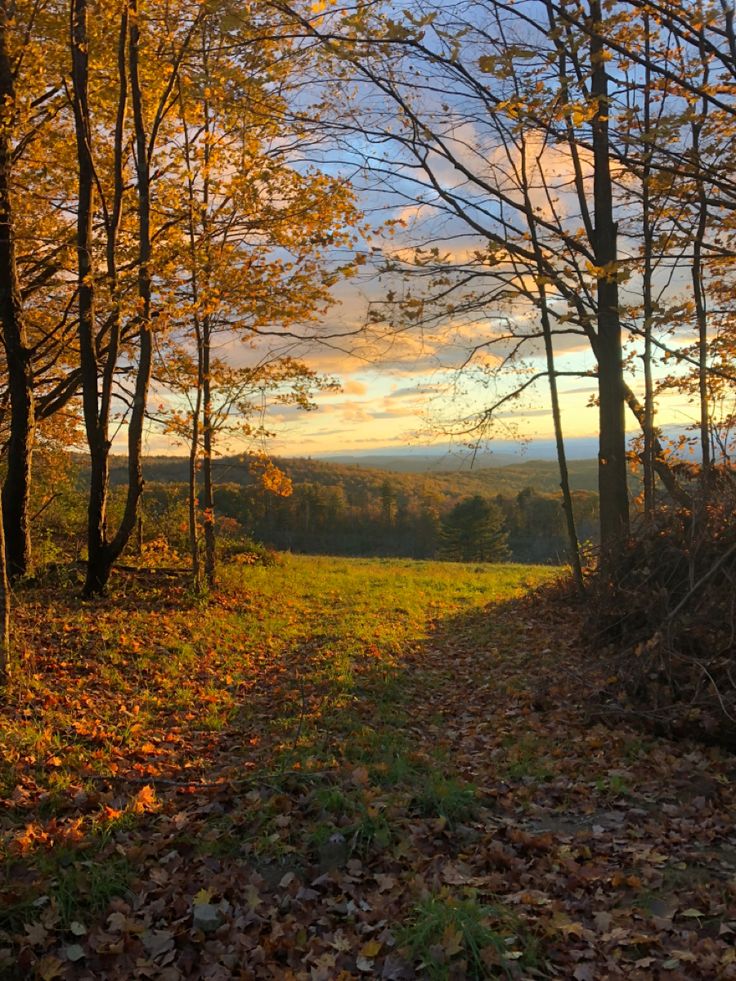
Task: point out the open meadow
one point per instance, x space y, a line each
337 768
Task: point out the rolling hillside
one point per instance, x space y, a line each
541 475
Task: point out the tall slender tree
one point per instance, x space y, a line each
18 350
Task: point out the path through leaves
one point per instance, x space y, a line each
349 770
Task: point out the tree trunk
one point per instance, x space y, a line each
204 364
97 440
647 272
102 553
208 496
194 436
17 487
145 339
612 477
192 501
567 506
697 271
5 652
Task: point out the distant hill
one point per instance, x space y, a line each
449 462
449 457
343 509
541 475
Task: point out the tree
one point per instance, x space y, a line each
36 245
99 364
17 486
5 651
449 95
474 531
257 239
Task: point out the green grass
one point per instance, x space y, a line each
442 797
452 938
78 886
300 675
527 759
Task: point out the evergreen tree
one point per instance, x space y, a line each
474 531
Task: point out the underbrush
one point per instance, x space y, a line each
664 621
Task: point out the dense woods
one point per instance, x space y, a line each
331 509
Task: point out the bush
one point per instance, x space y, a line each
245 551
666 617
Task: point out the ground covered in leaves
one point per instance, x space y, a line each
339 769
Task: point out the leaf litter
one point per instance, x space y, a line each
322 797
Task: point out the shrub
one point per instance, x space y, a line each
665 621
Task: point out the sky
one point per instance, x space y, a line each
416 389
411 392
407 391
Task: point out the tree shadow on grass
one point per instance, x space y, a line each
303 851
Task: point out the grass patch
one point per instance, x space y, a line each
85 888
300 676
439 796
76 887
449 938
526 759
612 786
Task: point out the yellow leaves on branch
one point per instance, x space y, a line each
610 271
272 479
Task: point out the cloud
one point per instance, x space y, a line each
354 388
417 391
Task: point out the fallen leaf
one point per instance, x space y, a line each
371 949
49 967
36 933
203 897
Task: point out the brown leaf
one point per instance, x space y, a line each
49 967
36 933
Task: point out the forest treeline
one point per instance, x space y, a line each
370 513
332 509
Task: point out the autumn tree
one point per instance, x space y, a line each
258 239
451 98
16 489
33 242
144 90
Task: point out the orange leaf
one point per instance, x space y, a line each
144 800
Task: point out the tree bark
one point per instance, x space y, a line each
101 552
97 438
5 651
612 476
145 339
194 436
17 487
567 505
208 496
204 368
697 274
647 273
98 573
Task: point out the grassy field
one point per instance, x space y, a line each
124 709
337 768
